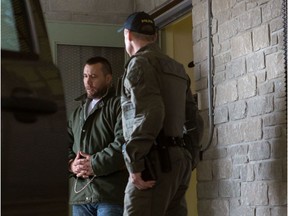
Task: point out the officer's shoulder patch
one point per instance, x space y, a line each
135 70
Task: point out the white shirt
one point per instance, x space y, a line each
91 105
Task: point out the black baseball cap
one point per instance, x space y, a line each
140 22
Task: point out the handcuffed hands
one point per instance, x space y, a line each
81 166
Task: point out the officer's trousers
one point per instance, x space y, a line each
167 197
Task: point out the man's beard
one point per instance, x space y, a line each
98 93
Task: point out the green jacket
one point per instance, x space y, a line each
99 134
155 96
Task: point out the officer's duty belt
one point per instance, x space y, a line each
169 141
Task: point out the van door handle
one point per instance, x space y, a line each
28 105
22 100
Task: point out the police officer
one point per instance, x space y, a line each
155 94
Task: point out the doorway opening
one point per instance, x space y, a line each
176 42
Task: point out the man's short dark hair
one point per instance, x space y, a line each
98 59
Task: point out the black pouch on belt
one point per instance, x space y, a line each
164 158
163 152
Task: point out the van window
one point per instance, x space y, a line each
15 36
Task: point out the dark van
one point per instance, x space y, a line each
33 116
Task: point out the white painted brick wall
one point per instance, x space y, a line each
247 162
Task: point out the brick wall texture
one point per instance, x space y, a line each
244 171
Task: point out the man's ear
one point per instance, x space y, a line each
156 37
108 79
128 34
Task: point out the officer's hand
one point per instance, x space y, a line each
136 179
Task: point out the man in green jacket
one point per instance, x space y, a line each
155 102
98 173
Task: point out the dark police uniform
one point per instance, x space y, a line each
155 97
